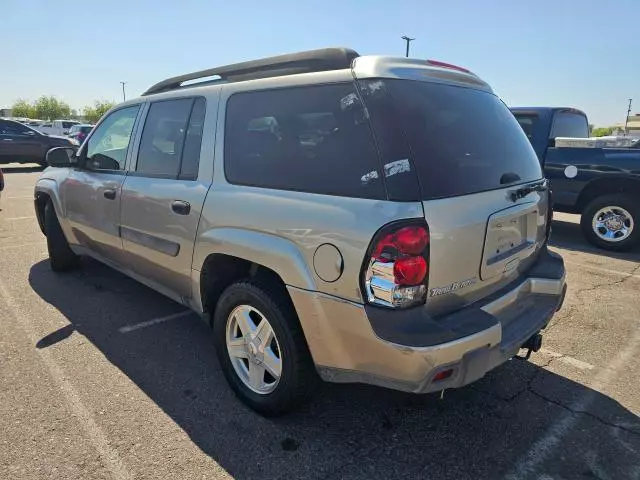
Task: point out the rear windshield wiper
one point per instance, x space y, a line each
522 192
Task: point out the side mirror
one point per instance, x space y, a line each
62 157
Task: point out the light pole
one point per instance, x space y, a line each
626 120
408 40
124 95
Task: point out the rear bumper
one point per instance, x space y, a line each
405 350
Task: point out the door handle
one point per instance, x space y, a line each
7 139
181 207
109 194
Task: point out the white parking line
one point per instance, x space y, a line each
28 244
17 218
605 270
547 445
155 321
568 360
109 455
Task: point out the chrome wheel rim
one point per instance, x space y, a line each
254 350
612 224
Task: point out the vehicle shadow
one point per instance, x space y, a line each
568 235
347 431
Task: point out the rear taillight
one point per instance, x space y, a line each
397 268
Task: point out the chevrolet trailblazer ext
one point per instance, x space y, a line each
358 219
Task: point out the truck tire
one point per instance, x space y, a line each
611 222
268 365
61 257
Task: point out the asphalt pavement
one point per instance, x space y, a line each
101 377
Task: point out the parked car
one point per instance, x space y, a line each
1 182
22 144
57 127
600 184
79 132
366 219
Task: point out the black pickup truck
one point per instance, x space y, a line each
601 184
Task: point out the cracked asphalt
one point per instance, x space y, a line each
84 396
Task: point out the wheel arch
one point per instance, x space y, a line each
607 186
223 256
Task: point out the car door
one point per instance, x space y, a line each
163 194
92 192
19 143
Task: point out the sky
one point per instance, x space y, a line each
581 54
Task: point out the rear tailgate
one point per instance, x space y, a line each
480 243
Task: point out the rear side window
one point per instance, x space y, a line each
461 140
314 139
171 139
163 137
569 124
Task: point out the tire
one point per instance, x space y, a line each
298 377
618 202
61 257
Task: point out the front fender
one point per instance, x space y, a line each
47 188
276 253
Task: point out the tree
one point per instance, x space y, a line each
50 108
99 108
601 132
22 108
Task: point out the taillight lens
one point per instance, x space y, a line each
396 272
409 270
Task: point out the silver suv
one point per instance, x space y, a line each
335 216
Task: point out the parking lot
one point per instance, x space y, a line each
104 378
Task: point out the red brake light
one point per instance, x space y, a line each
412 240
396 273
436 63
410 270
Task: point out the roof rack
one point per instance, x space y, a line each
289 64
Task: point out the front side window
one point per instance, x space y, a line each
313 139
570 124
107 147
14 129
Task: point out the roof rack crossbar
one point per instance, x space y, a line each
302 62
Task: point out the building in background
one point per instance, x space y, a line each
633 126
5 112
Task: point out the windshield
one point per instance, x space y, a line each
461 140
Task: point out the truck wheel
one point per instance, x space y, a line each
261 348
61 257
611 222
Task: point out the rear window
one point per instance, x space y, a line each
569 124
68 124
528 122
85 129
460 140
